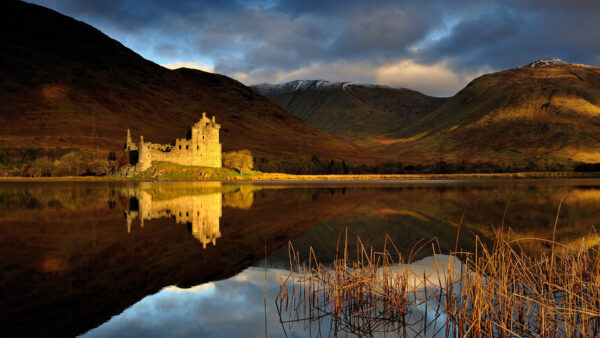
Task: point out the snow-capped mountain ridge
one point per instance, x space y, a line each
304 85
553 62
546 63
350 108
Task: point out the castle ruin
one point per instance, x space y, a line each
201 147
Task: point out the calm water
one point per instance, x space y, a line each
188 259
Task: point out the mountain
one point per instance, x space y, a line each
350 109
546 111
66 84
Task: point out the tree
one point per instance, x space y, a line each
239 160
73 162
98 168
42 166
345 168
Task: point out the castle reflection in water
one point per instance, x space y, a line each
198 205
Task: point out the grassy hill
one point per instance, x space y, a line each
545 112
545 115
63 79
349 109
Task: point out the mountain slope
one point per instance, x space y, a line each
350 109
546 111
63 79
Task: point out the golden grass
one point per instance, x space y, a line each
495 291
392 177
257 176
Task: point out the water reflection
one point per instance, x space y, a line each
66 243
199 207
200 211
229 308
236 307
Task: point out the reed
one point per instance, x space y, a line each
498 290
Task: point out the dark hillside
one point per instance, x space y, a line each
62 78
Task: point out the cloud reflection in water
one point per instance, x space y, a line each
229 308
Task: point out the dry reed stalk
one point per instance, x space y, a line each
497 291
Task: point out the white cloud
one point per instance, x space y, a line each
434 79
190 64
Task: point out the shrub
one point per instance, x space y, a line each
42 166
98 168
74 162
239 160
587 167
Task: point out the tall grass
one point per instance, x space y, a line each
498 290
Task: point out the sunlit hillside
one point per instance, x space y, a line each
543 112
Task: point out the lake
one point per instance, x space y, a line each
199 259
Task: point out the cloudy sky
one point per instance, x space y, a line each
433 46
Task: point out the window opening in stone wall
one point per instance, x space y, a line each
133 157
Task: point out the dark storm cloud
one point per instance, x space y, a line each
265 33
385 30
477 40
132 14
257 38
274 37
514 35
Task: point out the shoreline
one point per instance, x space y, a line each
276 177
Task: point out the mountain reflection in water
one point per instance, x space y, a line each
235 307
71 261
228 308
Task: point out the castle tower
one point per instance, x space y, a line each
145 155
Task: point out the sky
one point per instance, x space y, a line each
436 46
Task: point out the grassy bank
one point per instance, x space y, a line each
484 176
224 174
